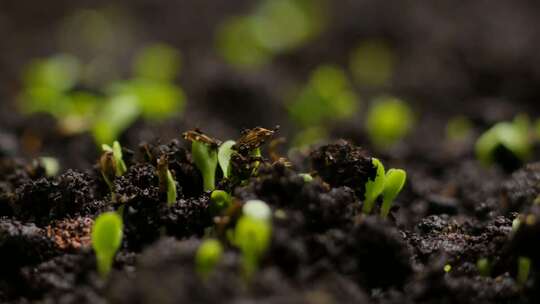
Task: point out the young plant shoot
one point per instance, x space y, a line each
221 200
307 177
112 165
106 240
506 142
388 121
484 267
116 150
252 235
167 184
389 184
524 268
107 167
207 257
393 183
374 187
225 152
205 156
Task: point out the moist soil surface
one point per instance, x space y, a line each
323 248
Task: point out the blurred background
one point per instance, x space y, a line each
399 77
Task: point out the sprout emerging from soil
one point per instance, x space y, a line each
207 257
374 187
225 152
447 268
506 143
50 165
252 235
167 184
393 183
112 165
205 155
458 128
116 150
524 268
484 267
388 184
106 240
221 200
389 120
307 177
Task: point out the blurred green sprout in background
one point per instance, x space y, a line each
327 97
372 63
458 128
272 28
506 143
389 120
51 86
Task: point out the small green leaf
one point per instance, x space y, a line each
221 200
374 188
115 117
50 164
205 158
225 152
157 62
207 257
389 120
106 240
171 189
514 136
394 182
307 177
483 267
524 268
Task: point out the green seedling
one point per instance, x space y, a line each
204 151
327 97
484 267
458 128
524 268
252 235
167 184
50 165
447 268
372 63
374 188
157 62
106 240
205 158
221 200
225 152
116 150
388 121
393 183
307 177
108 170
207 257
273 27
511 137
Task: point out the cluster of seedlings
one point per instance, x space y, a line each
246 226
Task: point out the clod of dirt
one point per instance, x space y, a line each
321 208
461 240
71 278
71 234
342 164
47 199
23 244
523 188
